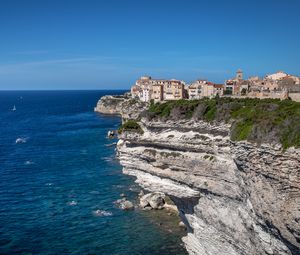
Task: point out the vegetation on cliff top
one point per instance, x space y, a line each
267 120
130 125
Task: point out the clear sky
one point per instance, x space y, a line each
108 44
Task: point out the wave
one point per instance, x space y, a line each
29 162
83 152
72 203
95 192
100 213
109 159
21 140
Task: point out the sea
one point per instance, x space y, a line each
59 179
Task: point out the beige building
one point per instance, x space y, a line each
195 89
147 88
157 92
276 76
173 90
218 89
270 84
208 90
136 92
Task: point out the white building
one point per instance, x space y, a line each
276 76
146 93
195 89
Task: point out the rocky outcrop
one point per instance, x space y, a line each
234 197
153 200
122 105
124 204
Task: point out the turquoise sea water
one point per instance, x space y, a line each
59 180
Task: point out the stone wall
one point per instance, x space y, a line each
295 96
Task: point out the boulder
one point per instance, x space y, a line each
110 134
141 193
154 200
126 205
181 224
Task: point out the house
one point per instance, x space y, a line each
270 84
229 87
146 93
287 83
147 88
218 89
136 92
208 89
276 76
195 89
173 90
157 92
244 87
233 86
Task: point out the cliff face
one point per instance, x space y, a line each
121 105
235 197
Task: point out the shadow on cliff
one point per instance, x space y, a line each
185 206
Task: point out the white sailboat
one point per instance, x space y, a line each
14 108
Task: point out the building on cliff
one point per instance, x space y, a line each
174 90
278 85
195 89
157 92
236 86
147 88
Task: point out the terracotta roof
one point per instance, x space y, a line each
218 85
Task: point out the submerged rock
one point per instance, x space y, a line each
110 134
124 204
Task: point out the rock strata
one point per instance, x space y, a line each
125 106
234 197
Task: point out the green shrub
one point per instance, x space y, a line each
130 125
253 119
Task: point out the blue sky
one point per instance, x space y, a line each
97 44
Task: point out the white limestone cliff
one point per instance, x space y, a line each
236 198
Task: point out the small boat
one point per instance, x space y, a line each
14 108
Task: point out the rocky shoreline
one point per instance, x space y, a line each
234 197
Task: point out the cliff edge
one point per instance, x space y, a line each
235 197
122 105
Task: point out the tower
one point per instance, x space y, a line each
239 74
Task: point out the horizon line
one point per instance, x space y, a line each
11 90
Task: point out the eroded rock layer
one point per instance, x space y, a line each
234 197
125 106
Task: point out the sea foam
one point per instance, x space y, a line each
21 140
100 213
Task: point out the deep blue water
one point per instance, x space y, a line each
60 173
